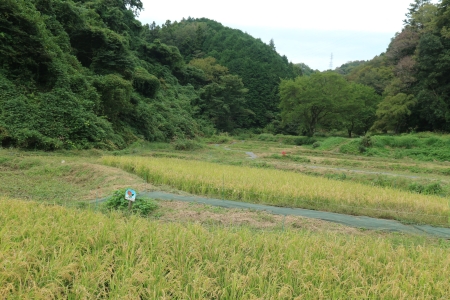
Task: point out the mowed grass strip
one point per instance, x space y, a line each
51 252
281 188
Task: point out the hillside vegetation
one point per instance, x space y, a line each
82 74
412 75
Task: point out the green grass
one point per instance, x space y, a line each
420 147
331 143
411 171
36 178
380 157
61 177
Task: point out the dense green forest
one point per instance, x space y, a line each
79 74
258 64
413 75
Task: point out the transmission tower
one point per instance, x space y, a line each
331 62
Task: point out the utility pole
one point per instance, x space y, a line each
331 62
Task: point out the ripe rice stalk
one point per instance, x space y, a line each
55 252
282 188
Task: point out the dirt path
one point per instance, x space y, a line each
348 220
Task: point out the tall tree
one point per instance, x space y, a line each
310 101
357 114
210 67
393 111
418 14
272 45
223 103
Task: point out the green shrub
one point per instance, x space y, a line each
405 141
145 83
430 189
304 140
267 137
433 189
432 141
366 141
316 145
285 139
142 206
382 181
362 149
186 145
320 134
351 147
220 139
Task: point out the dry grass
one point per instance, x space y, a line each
182 212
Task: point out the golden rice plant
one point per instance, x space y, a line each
51 252
282 188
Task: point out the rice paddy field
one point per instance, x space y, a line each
52 252
55 245
280 188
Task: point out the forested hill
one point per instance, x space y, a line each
258 64
413 76
81 74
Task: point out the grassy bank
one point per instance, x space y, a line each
59 177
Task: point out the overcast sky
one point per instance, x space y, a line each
304 31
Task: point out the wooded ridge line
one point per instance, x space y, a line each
80 74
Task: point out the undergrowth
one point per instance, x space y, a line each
142 206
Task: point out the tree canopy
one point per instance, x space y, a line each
259 65
326 99
413 75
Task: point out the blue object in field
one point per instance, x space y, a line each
130 195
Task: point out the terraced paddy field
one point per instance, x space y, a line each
281 188
55 244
